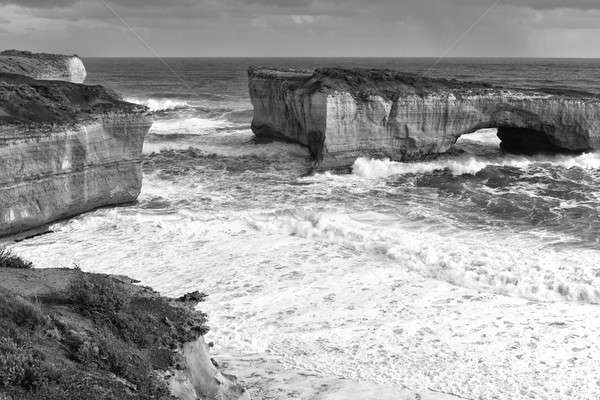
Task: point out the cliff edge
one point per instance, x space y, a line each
342 114
68 335
43 66
65 149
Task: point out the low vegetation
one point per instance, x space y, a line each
100 338
9 260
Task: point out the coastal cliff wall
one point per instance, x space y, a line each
341 115
65 149
43 66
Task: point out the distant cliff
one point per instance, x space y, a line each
43 66
343 114
65 149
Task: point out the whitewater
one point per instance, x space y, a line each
473 275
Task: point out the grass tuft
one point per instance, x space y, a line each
9 260
97 294
21 312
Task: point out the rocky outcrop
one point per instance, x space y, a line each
43 66
200 379
65 149
66 334
342 114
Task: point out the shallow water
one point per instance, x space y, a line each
474 274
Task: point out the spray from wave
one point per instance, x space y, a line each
476 259
469 164
156 105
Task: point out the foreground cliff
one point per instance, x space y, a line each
43 66
342 114
68 335
65 149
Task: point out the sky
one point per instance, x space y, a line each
304 28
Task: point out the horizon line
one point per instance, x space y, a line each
360 57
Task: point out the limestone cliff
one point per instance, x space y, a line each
43 66
65 149
342 114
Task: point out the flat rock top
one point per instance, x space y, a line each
392 84
27 63
26 101
29 54
41 282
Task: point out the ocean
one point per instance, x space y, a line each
475 274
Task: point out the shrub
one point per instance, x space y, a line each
9 260
97 294
21 312
20 366
108 353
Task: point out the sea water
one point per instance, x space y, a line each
476 274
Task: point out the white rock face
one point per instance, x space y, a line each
65 149
341 115
43 66
201 379
70 170
76 70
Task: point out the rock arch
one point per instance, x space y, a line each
343 114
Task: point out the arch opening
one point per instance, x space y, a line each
511 140
527 141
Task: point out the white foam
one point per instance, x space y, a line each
187 126
469 164
487 137
159 104
234 143
475 259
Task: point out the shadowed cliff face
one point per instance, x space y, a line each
65 149
344 114
43 66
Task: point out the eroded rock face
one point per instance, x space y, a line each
200 379
65 149
43 66
342 114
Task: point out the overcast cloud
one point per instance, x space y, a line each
525 28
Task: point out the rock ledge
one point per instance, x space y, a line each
43 66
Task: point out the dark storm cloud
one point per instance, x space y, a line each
281 3
307 27
38 3
311 4
553 4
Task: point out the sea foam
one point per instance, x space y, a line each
470 259
159 104
469 164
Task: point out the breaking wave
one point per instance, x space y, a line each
159 104
469 164
187 126
476 259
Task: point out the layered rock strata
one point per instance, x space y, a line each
65 149
43 66
342 114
